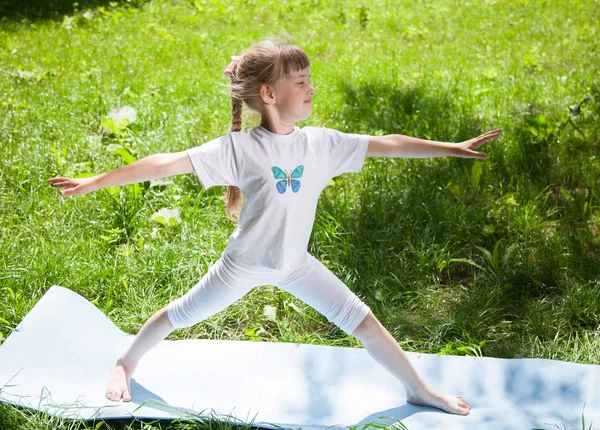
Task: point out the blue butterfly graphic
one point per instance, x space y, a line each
287 179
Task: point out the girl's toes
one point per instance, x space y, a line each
462 402
462 407
112 394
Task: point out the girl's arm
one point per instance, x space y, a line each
145 169
398 145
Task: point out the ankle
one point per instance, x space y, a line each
418 388
125 362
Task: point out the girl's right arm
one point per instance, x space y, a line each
145 169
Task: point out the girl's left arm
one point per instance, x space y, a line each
400 146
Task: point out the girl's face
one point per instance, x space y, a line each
294 95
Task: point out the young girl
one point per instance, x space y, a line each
280 170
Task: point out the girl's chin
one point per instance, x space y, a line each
305 116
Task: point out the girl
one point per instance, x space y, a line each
280 170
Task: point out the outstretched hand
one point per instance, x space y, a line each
75 186
466 149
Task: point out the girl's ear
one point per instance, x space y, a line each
267 94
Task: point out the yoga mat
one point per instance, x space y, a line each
58 358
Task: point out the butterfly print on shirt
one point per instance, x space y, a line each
287 179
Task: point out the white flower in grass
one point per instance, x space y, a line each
121 113
167 217
118 119
270 312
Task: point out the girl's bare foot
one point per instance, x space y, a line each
118 382
446 402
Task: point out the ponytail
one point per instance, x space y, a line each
233 197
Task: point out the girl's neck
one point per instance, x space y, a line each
277 128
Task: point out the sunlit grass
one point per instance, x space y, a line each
494 258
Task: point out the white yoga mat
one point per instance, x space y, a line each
57 361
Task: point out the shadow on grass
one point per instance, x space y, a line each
41 10
13 417
416 210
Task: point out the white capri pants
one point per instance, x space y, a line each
310 281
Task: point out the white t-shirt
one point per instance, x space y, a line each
281 178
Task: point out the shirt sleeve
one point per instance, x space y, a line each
346 152
215 162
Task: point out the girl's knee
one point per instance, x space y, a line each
164 316
367 326
173 316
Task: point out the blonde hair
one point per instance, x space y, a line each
263 63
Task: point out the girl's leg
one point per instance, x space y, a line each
153 331
381 345
316 285
219 287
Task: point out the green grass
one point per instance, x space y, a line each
496 258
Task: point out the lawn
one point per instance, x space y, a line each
496 257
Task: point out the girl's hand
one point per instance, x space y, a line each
466 149
74 186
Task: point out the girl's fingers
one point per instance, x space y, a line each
66 184
492 133
57 182
498 131
68 192
469 153
63 182
487 137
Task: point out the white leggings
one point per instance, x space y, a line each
310 281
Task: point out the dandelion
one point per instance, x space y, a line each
270 312
125 112
167 217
